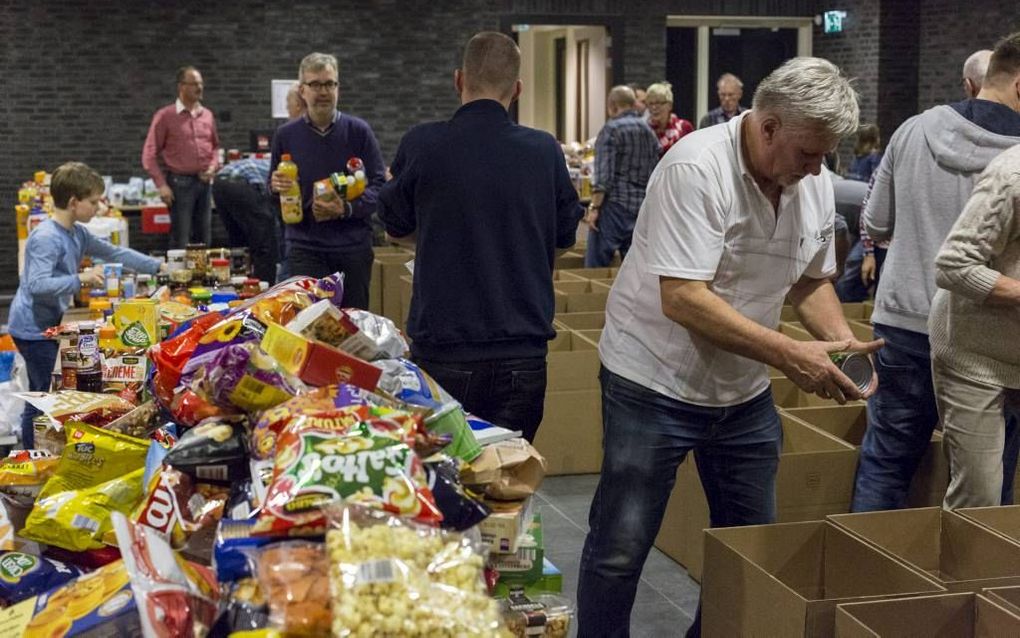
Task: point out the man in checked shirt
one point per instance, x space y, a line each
626 151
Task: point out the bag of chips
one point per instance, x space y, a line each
174 597
241 376
93 456
460 510
24 575
25 471
370 462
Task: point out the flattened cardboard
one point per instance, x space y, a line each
849 422
814 479
963 615
954 551
572 363
570 436
786 579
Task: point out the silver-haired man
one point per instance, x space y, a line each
737 218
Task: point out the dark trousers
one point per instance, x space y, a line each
850 288
646 435
40 358
508 392
615 229
902 415
250 221
191 212
356 265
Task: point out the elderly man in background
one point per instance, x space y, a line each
737 218
626 151
729 89
974 70
181 154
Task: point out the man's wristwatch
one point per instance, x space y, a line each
348 210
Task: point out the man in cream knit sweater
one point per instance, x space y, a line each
975 331
926 175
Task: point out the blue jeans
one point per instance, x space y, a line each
616 227
506 392
850 288
191 211
645 437
249 219
40 358
901 418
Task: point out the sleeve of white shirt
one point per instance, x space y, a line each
686 222
823 264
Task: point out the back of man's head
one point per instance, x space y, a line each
1004 65
621 97
491 65
974 70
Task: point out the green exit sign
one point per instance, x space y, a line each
833 21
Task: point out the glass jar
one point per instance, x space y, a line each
196 258
251 288
181 276
221 270
176 259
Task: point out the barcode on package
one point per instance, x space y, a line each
84 522
375 571
212 472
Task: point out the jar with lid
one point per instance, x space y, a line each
251 288
89 376
217 253
176 259
181 276
221 270
195 258
200 296
143 285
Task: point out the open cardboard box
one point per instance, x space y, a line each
852 311
391 268
849 422
786 579
1007 597
593 273
954 551
573 362
815 478
786 394
595 320
570 436
1003 520
963 615
572 259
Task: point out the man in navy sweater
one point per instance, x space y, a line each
487 204
333 235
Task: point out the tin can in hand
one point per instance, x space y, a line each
855 365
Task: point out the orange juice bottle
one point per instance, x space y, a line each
290 199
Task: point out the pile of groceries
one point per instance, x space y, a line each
275 467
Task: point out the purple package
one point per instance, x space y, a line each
331 287
242 376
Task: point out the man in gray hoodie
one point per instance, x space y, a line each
920 188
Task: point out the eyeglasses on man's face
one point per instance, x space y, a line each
654 104
322 86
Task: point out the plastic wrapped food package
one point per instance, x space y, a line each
547 616
242 376
396 577
294 577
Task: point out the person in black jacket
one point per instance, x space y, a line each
487 204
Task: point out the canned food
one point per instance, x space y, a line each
855 365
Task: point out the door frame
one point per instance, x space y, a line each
704 23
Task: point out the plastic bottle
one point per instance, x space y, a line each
90 367
108 338
290 199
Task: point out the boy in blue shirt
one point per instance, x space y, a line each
50 276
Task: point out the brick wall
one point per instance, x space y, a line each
83 77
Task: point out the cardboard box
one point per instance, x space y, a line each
375 288
391 268
815 478
959 615
862 331
786 579
794 330
583 320
852 311
593 273
572 363
523 567
954 551
786 394
406 287
1007 597
570 436
591 335
570 259
551 581
1003 520
582 296
849 422
315 362
502 529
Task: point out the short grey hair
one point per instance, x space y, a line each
810 92
317 62
976 66
622 96
729 78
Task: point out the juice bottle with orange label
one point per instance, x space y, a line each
290 199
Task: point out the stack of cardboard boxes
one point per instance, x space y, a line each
869 574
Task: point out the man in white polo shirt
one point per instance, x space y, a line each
736 218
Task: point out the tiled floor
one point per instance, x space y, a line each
666 597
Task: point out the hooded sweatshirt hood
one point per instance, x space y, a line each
920 188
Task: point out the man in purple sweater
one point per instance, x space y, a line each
333 235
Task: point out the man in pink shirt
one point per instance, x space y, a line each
181 154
